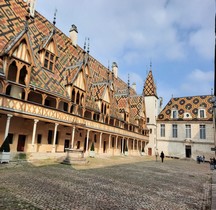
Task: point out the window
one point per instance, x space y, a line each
174 131
202 132
188 131
49 60
147 119
174 114
162 130
39 137
65 107
202 113
50 136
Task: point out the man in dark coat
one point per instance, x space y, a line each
162 156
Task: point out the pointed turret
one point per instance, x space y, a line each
149 86
152 110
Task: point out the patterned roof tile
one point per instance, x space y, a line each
187 105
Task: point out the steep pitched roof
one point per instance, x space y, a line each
12 24
149 86
189 105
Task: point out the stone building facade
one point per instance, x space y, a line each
185 127
54 95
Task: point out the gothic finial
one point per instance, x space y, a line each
128 84
27 17
150 64
85 44
28 9
54 19
108 72
88 46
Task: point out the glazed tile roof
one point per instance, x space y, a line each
149 86
187 105
70 59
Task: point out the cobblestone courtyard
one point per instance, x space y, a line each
139 183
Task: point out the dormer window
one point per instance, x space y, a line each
49 60
201 113
174 114
48 55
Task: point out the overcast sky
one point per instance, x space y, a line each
176 35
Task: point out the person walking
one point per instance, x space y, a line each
162 156
156 154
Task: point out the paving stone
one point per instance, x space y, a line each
118 183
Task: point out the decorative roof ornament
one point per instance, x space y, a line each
84 44
27 17
108 72
88 46
128 84
54 19
150 65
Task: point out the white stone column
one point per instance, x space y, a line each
7 125
87 140
137 145
116 142
33 135
127 144
54 138
100 142
72 137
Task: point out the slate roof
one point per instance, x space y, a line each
189 105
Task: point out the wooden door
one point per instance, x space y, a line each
21 143
150 151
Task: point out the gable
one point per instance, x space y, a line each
106 96
20 48
51 47
80 82
22 52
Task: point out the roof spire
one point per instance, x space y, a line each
88 46
149 88
27 17
85 44
150 64
108 72
128 84
54 19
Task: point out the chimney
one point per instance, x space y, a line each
31 4
74 35
134 86
115 69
